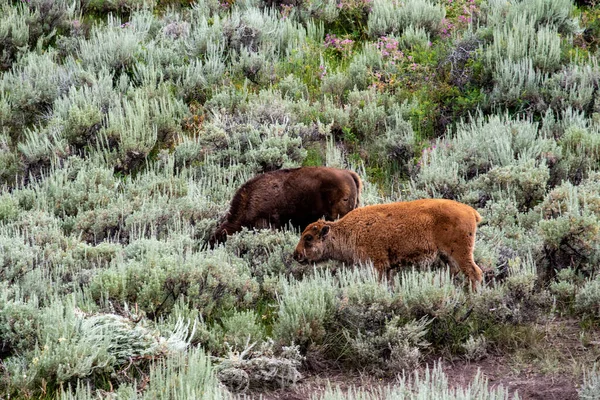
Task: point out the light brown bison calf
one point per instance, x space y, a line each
391 234
298 196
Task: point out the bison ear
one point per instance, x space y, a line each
324 231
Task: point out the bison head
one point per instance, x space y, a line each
311 247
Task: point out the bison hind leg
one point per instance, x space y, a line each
465 263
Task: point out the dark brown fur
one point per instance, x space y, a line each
299 196
391 234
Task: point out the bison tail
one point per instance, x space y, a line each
477 216
359 187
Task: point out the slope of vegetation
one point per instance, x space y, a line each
126 127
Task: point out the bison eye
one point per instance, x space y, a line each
308 238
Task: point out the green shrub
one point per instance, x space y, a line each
71 345
97 225
136 127
397 145
574 86
580 154
42 148
268 253
199 78
587 299
293 88
263 147
363 65
241 329
112 47
427 293
14 33
396 348
564 289
32 86
525 182
554 13
9 208
386 18
81 113
478 146
107 6
570 227
48 18
475 348
414 37
516 301
19 323
320 10
180 376
306 308
211 283
438 177
367 114
516 84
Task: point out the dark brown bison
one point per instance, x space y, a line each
298 196
390 234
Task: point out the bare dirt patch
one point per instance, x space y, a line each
549 368
528 383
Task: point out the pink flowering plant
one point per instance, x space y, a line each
390 53
399 68
339 46
459 15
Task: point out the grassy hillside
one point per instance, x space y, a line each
126 127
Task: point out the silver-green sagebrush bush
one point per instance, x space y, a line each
126 127
433 383
306 308
211 283
386 18
591 384
570 226
112 47
587 300
32 85
427 293
525 182
260 368
516 301
397 348
71 344
267 253
14 33
183 376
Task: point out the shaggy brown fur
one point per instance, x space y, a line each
390 234
299 196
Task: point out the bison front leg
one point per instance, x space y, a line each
221 233
262 223
383 270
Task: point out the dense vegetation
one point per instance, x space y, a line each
126 126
